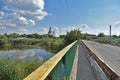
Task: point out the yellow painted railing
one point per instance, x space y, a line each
44 70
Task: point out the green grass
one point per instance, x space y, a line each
53 44
116 39
105 40
19 69
16 69
102 40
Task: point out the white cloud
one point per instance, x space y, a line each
55 28
63 30
58 30
2 28
31 8
22 14
23 20
117 24
25 54
2 13
95 31
85 29
84 26
24 30
43 30
15 21
92 30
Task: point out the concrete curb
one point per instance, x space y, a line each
100 75
75 64
110 73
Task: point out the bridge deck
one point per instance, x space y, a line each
84 71
110 55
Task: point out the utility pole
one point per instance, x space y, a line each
110 34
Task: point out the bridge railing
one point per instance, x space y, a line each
52 69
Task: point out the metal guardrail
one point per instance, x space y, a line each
52 68
109 73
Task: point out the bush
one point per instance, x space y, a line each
2 42
72 36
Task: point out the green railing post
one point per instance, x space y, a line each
57 72
69 59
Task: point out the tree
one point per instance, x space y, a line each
3 36
62 36
101 35
15 35
23 35
34 35
115 36
85 36
72 36
119 36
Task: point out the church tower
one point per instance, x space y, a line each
50 31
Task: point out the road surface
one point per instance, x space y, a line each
84 71
109 54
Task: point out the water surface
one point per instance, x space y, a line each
28 54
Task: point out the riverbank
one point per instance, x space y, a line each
49 44
17 69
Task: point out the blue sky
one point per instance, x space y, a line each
36 16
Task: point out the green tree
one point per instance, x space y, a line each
72 36
119 36
85 36
101 35
3 36
13 35
115 36
34 35
62 36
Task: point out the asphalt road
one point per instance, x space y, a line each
84 71
109 54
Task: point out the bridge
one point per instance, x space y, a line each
86 60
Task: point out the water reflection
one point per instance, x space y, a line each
28 54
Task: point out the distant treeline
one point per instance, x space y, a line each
48 41
15 35
36 35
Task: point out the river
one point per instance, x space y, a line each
28 54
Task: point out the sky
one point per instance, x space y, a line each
36 16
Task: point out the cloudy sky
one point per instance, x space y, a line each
36 16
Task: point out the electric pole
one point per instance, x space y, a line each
110 34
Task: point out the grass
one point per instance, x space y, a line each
16 69
116 39
53 44
19 69
105 40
